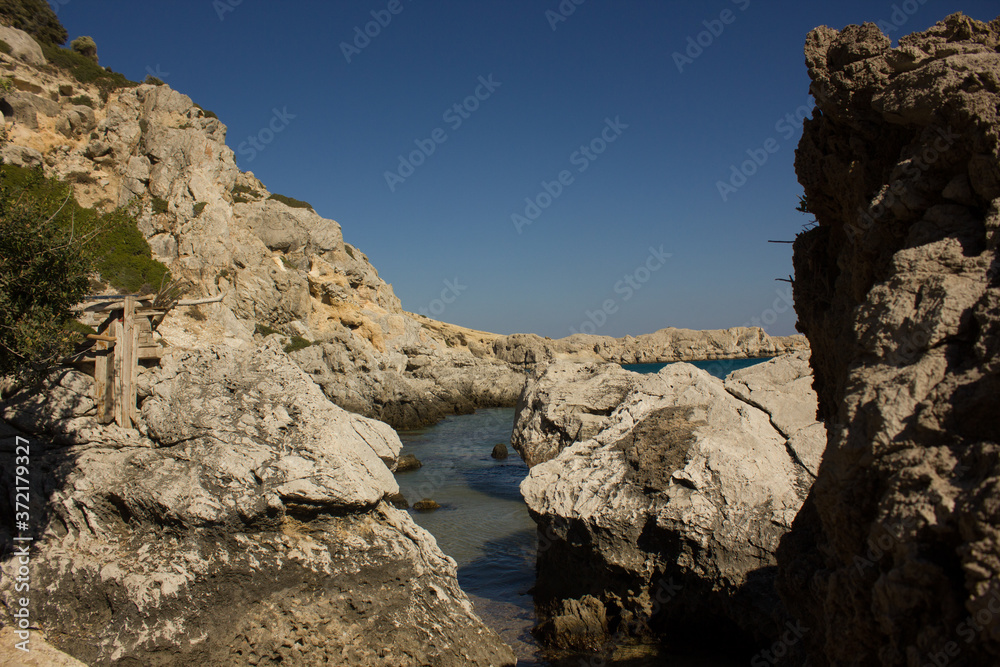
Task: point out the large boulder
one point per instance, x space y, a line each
22 46
244 523
893 559
668 512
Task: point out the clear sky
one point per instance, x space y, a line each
617 120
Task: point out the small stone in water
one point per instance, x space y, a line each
499 451
398 501
425 505
407 462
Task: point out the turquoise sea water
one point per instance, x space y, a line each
720 368
484 525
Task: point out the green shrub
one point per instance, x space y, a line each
244 190
6 84
160 205
152 80
85 70
294 203
288 263
49 245
243 194
199 207
83 100
298 343
84 177
264 330
85 46
206 112
36 18
5 47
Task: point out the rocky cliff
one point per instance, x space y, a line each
893 559
661 499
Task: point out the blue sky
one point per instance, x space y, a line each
581 108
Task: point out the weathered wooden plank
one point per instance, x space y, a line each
133 364
119 366
103 378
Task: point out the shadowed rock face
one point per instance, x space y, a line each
894 554
663 510
244 522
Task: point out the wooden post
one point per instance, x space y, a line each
132 336
120 372
103 380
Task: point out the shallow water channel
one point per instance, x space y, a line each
484 525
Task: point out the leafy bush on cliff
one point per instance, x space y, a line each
85 70
113 246
297 343
36 18
293 203
49 247
86 47
42 274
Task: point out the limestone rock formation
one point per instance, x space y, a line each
665 345
665 510
564 403
244 522
893 559
22 46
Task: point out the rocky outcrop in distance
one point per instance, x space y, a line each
893 558
244 522
660 499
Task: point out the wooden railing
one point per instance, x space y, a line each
121 341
